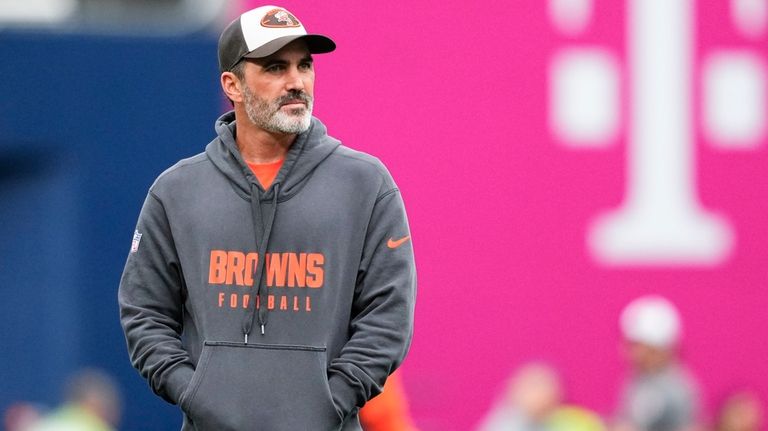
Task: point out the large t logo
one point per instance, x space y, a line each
661 220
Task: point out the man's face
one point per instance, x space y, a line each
646 358
277 90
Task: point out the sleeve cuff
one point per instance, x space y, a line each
344 396
178 381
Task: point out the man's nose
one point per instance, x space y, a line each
294 80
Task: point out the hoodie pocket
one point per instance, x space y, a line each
241 387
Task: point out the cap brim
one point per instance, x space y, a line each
316 43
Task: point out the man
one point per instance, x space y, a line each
659 395
534 402
92 404
270 283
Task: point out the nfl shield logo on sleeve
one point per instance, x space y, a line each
136 241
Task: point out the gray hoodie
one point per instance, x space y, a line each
277 309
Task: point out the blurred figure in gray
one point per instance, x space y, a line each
741 412
92 404
660 394
533 402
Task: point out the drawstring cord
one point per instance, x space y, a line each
263 243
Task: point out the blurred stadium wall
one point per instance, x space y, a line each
92 108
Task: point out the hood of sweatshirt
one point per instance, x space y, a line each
306 153
308 150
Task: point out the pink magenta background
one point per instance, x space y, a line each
452 96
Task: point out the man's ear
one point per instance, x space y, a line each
231 86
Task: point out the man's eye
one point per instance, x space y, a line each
305 66
275 68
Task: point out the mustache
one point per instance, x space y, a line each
293 96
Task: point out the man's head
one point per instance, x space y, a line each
96 392
266 68
651 328
535 391
742 411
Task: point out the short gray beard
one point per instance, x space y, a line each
267 115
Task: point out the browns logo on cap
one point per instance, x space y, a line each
279 18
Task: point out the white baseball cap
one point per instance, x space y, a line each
263 31
651 320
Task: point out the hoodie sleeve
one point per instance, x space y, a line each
150 299
381 325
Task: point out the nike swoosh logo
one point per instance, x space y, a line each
391 243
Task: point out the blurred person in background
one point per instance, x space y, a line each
660 394
388 411
21 416
533 402
92 403
741 412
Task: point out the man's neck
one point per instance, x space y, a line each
259 146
